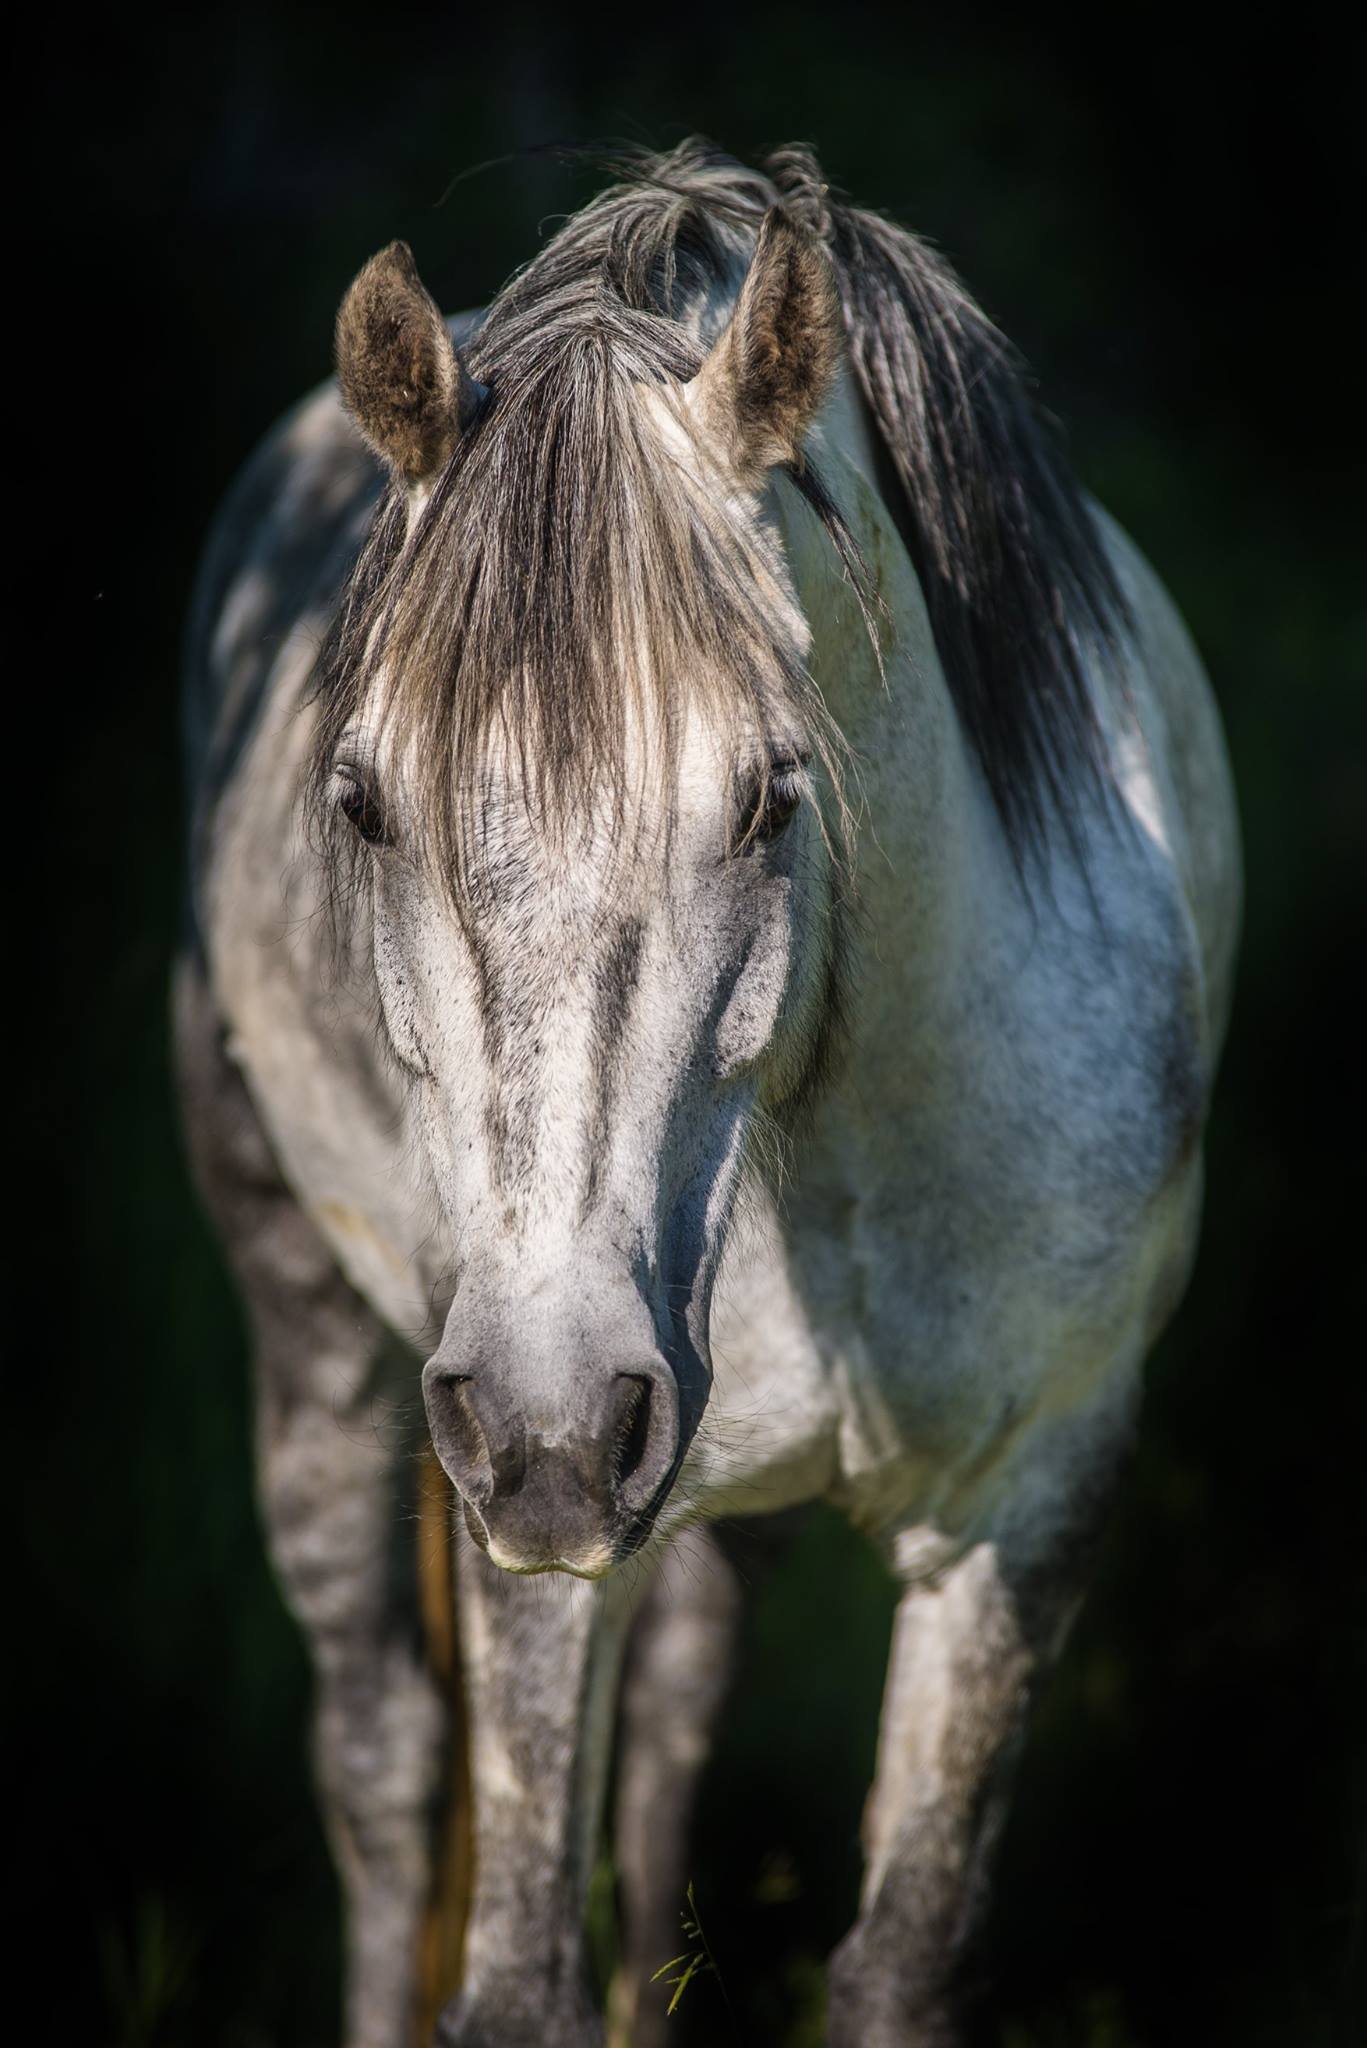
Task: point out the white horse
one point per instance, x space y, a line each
726 949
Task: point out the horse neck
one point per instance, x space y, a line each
929 858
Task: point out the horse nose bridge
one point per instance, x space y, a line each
549 1294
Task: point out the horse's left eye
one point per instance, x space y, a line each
771 805
362 811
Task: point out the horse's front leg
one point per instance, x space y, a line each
678 1669
953 1709
541 1660
969 1647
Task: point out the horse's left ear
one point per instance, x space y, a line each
402 380
767 377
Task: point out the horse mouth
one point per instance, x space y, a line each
594 1564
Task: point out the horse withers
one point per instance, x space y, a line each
715 885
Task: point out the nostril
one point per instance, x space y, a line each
457 1434
631 1428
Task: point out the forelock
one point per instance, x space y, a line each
568 580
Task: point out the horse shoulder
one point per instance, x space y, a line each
1013 1214
1095 1020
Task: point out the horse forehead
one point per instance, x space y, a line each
549 931
592 918
666 798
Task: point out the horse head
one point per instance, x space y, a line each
570 746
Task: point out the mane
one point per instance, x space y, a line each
1021 594
555 538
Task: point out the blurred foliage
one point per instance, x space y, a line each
1172 237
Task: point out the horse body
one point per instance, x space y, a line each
935 1315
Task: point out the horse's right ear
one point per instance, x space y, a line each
402 380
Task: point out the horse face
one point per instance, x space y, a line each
601 1011
596 1035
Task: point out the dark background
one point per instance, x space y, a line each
1171 230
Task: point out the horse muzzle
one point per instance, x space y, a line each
566 1483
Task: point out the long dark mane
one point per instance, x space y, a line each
555 537
1019 588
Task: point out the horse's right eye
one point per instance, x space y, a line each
362 811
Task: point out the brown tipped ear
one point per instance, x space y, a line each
768 376
402 381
